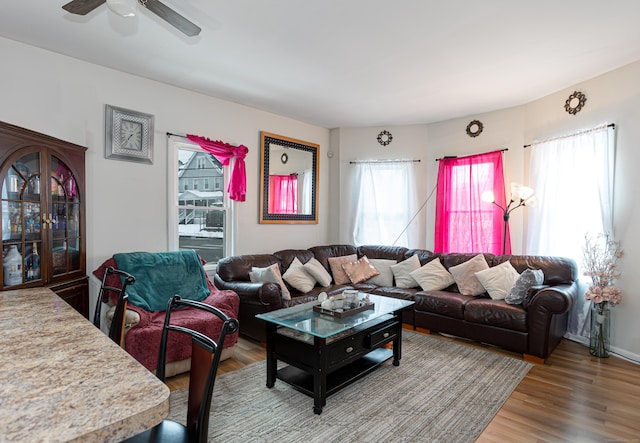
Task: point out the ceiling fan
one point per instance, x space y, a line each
83 7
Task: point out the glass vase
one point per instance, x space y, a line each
600 328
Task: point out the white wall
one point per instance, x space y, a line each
349 144
126 202
613 97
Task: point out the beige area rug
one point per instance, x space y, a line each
441 392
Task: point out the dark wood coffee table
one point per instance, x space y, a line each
324 353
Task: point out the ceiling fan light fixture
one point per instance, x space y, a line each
124 8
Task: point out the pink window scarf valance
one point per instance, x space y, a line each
224 152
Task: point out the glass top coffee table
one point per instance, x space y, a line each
325 353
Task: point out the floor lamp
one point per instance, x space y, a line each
520 196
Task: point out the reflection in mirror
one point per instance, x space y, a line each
288 180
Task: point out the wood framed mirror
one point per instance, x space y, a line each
289 173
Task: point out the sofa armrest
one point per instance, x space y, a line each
547 324
267 294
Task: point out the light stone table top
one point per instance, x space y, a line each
62 379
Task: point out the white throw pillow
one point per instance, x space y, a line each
298 277
433 276
270 274
402 272
385 277
498 280
315 269
464 274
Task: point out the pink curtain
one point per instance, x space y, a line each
283 194
224 152
465 223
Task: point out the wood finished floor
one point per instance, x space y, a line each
574 397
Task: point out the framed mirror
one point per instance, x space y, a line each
289 171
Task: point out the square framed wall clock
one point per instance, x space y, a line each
128 135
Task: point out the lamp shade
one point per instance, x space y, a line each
487 196
124 8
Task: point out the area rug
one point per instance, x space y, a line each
441 392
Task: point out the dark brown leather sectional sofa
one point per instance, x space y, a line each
533 328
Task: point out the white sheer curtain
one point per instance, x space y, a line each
304 194
384 202
573 178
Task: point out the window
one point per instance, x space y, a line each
464 223
199 219
573 178
384 200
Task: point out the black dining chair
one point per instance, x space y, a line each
205 357
116 330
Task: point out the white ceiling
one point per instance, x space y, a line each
344 63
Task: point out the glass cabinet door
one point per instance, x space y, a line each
21 221
64 219
40 220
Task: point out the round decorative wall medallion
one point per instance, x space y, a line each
575 102
474 128
284 158
384 138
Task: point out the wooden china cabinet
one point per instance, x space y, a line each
43 215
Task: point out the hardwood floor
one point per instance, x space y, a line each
572 398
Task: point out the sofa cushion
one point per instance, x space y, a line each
402 272
298 277
382 252
496 313
528 278
270 274
450 304
464 274
433 276
315 268
340 277
359 270
322 253
385 274
498 280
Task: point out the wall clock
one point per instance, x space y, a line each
575 102
384 138
128 135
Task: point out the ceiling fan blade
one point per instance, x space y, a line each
171 17
82 7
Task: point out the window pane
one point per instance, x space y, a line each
201 211
204 231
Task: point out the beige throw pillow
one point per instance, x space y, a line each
433 276
270 274
298 277
385 275
464 274
335 263
402 272
359 270
315 268
498 280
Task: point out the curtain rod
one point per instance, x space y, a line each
384 161
610 125
455 156
170 134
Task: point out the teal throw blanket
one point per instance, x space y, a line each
161 275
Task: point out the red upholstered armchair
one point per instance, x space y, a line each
143 328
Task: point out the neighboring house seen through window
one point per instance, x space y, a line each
200 216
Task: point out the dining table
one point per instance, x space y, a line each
62 379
